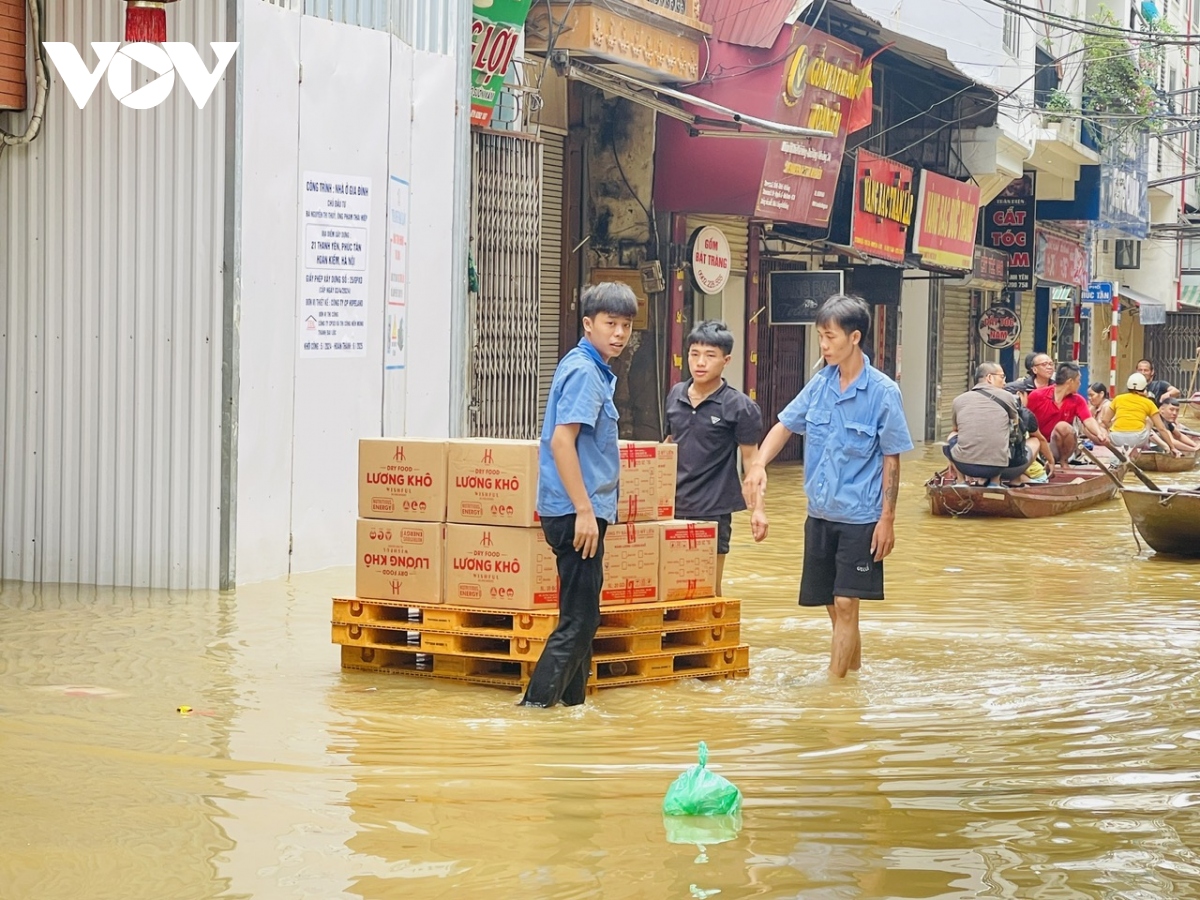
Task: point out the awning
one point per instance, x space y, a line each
731 122
1150 310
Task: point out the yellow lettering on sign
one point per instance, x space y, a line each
823 118
835 79
888 201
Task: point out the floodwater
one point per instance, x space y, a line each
1026 724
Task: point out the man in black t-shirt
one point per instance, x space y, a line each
1156 389
711 421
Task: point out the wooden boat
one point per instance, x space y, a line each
1071 488
1165 462
1168 520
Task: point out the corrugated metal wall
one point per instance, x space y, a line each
424 24
111 241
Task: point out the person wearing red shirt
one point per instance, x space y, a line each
1057 406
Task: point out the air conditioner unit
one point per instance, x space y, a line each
1128 254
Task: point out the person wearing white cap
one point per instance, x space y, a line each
1132 415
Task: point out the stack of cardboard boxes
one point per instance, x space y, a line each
456 522
453 525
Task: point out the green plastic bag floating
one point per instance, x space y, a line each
699 792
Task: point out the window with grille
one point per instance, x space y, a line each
1012 32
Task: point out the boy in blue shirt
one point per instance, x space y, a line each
578 472
853 417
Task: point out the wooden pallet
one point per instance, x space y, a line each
612 644
631 618
730 662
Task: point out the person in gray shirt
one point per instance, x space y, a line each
978 448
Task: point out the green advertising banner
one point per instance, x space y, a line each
495 32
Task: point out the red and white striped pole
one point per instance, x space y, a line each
1078 330
1112 335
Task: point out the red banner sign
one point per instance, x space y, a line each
821 80
944 224
883 206
1061 259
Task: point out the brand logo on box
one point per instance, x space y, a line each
486 540
398 456
382 504
165 60
487 457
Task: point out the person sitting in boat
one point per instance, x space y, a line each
1098 401
978 448
1058 406
1132 416
1156 388
1185 439
1039 372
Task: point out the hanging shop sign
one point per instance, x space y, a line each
1061 260
495 33
945 220
795 297
822 78
989 269
883 207
711 260
1125 185
999 327
1008 226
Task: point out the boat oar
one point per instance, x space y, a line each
1107 471
1142 476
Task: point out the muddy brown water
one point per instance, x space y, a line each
1026 725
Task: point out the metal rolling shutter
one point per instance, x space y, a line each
505 316
550 273
954 339
737 232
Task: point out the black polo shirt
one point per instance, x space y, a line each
708 436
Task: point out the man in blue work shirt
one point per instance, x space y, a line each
578 472
853 418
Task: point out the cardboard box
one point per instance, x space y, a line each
630 564
399 561
402 478
687 560
647 486
500 568
492 482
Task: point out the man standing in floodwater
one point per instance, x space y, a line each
853 418
578 473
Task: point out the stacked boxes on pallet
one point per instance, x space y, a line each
455 578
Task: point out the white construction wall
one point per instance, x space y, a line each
370 109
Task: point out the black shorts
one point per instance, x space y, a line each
838 563
724 529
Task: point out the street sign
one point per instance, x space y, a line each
1098 292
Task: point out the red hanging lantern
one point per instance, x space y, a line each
146 21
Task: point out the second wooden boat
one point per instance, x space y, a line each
1165 462
1168 520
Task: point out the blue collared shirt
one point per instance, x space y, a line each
582 394
847 435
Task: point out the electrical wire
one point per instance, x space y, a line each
34 126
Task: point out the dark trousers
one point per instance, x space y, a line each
562 670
